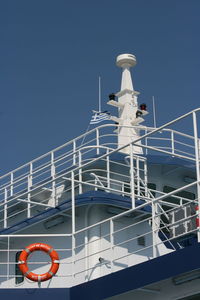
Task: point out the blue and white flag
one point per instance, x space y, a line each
99 117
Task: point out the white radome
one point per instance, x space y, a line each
126 60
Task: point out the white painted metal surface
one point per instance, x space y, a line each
127 106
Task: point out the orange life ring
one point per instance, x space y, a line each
38 247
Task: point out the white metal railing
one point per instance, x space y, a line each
66 156
80 258
48 192
73 169
26 185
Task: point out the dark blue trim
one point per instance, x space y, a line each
34 294
155 270
138 276
169 160
93 197
103 198
159 159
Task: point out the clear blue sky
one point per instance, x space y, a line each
52 52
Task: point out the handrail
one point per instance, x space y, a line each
57 166
100 127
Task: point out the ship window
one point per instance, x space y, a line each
127 188
184 194
152 186
141 240
19 278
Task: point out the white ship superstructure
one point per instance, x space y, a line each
117 200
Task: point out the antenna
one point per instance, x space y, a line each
94 111
154 112
127 104
99 94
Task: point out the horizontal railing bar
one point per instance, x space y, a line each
98 128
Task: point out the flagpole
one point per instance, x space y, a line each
94 111
99 94
83 140
154 112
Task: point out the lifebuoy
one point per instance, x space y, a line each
38 247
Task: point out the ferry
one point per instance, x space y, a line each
112 214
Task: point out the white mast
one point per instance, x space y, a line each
129 114
154 112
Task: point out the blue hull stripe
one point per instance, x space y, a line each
131 278
138 276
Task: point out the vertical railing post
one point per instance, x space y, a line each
30 182
80 172
111 244
8 258
132 185
74 152
146 150
153 208
95 182
86 240
97 140
11 184
138 175
146 178
197 157
172 141
108 169
53 174
5 207
73 223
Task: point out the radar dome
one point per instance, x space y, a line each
124 60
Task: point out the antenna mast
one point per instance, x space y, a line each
129 114
99 94
154 112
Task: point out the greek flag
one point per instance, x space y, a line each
99 117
